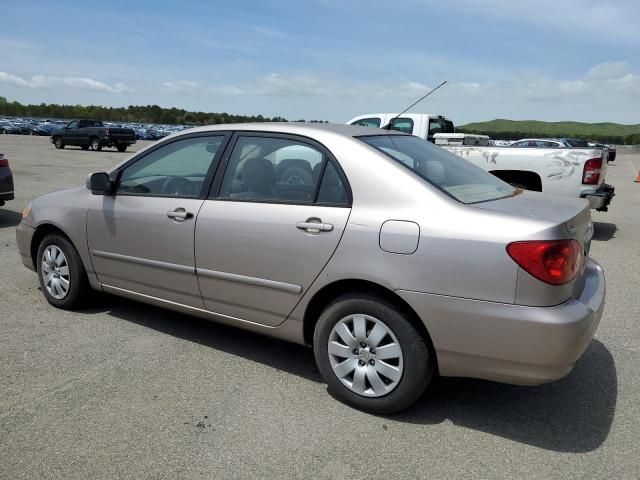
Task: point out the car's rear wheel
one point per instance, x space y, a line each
95 145
62 276
122 147
370 354
58 143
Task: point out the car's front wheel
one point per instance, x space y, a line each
59 144
95 145
370 354
62 276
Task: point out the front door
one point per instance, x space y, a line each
269 228
141 238
70 133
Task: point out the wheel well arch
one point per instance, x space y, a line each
529 179
41 232
330 292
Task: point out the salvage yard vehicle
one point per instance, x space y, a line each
396 260
93 134
423 125
559 170
6 181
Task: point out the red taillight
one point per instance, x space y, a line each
553 261
4 162
591 171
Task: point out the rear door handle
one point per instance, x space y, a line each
314 226
179 214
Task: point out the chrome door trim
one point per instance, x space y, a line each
181 307
258 282
145 261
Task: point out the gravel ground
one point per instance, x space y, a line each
129 391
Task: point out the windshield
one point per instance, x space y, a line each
453 175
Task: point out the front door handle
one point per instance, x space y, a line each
179 214
314 227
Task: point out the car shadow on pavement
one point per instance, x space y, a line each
573 414
295 359
9 218
603 231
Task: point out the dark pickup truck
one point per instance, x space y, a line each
93 134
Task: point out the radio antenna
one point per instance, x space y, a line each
388 125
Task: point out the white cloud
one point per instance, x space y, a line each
48 81
182 87
608 71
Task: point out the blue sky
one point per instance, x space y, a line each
328 59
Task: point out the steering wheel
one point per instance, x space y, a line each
178 186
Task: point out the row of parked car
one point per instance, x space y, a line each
563 143
45 127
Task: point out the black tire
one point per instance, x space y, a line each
58 143
95 144
79 288
84 147
296 176
418 362
122 147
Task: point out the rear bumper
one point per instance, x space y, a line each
511 343
601 199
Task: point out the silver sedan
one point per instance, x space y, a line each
393 258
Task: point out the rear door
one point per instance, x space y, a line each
141 238
272 222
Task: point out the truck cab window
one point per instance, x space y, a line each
368 122
403 125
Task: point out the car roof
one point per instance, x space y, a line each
297 128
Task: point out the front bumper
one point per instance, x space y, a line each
511 343
24 236
601 199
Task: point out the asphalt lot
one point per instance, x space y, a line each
125 390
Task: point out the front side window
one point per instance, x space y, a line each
455 176
73 125
404 125
177 169
368 122
272 169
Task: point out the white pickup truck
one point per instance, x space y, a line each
574 172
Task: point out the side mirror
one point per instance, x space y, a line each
100 184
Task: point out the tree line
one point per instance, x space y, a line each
632 139
130 114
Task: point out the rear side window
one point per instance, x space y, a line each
281 170
332 190
368 122
455 176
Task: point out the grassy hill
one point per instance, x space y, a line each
513 129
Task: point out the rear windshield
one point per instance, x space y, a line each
453 175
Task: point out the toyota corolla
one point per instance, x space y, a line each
394 259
